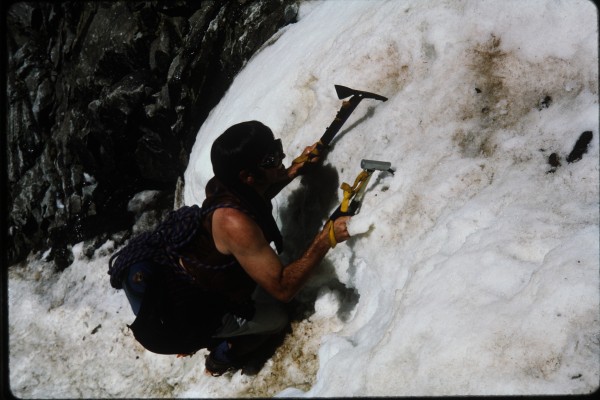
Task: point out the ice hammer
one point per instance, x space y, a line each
353 195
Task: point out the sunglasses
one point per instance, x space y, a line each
275 156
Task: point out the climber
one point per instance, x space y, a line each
248 169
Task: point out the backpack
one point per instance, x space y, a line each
176 316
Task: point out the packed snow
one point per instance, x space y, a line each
473 270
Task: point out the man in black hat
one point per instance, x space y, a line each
248 168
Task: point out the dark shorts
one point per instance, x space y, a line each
270 317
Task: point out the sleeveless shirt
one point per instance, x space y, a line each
220 273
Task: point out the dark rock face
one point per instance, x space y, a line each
581 147
104 100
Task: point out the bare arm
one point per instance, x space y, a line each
237 234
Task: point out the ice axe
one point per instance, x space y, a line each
353 195
342 115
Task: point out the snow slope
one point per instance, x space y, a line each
472 270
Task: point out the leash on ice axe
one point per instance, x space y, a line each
353 195
342 115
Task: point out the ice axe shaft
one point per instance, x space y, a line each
347 108
341 117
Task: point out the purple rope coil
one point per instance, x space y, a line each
162 245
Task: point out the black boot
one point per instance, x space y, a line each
249 353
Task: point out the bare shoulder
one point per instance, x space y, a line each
235 231
232 218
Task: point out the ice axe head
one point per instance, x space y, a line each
343 92
372 165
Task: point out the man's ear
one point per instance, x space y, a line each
246 177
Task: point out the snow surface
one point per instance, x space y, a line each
472 270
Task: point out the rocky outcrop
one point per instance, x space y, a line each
104 101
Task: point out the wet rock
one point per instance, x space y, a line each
105 100
62 256
554 161
544 103
580 147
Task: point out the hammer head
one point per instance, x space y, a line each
372 165
343 92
